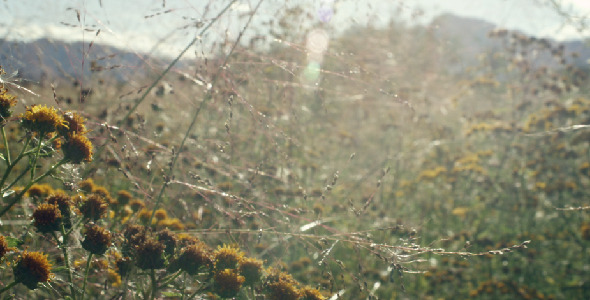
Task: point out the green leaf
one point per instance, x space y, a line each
13 242
171 294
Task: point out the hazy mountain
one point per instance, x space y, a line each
465 37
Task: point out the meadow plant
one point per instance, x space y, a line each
298 177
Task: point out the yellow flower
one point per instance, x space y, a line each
42 119
251 269
113 278
32 268
227 283
7 101
227 257
308 293
75 124
281 286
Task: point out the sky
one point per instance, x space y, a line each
166 26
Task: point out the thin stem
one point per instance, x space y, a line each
9 168
6 288
86 275
21 194
64 249
208 96
35 158
138 101
8 159
154 284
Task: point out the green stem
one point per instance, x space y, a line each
64 249
6 288
154 284
6 146
35 158
86 275
10 166
170 278
21 194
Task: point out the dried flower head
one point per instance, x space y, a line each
192 259
77 148
47 218
123 197
136 205
227 257
103 192
3 247
7 101
167 238
31 268
39 190
134 235
86 185
160 214
97 240
42 119
93 207
227 283
150 255
251 269
64 203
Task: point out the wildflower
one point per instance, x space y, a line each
160 214
308 293
192 258
97 240
281 286
47 218
94 207
104 193
86 185
39 190
136 204
7 101
227 257
113 278
227 283
171 223
123 197
168 239
64 203
145 216
3 247
150 255
42 119
135 235
75 124
77 148
32 268
251 269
